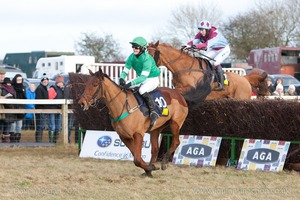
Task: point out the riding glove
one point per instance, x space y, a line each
127 86
200 46
122 82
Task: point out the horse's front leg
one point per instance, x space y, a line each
138 161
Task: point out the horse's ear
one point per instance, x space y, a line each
157 43
100 74
90 72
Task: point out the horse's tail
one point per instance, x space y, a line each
257 80
196 95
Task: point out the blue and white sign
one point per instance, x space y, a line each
197 150
108 145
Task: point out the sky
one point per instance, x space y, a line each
56 25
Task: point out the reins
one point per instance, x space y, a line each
190 69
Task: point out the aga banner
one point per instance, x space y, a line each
197 150
266 155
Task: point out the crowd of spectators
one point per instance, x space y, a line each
11 125
278 90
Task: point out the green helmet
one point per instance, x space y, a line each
139 41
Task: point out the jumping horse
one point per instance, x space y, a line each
130 123
191 73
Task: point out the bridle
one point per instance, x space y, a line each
93 99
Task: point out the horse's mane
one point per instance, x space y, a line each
166 45
105 76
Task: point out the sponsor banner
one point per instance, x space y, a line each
108 145
197 150
266 155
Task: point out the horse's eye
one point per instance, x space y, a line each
95 85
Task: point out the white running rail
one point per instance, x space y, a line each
113 70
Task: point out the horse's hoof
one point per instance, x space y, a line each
164 166
147 174
153 167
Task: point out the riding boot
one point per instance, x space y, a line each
151 104
12 137
18 137
56 133
38 136
51 136
221 79
5 138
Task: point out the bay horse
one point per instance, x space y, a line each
189 73
131 129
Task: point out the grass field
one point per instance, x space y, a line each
58 173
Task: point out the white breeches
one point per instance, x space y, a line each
148 85
218 55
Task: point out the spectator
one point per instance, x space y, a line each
7 92
29 117
41 93
279 91
269 84
273 88
298 90
291 91
2 115
54 124
16 126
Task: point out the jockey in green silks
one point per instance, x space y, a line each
147 74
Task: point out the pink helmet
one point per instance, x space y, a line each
204 25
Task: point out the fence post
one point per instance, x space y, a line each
65 122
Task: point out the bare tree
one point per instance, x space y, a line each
182 27
105 49
271 23
244 33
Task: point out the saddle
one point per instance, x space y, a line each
160 106
211 71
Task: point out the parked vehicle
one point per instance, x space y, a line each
62 65
276 60
287 80
12 71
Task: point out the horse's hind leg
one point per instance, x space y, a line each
175 143
154 147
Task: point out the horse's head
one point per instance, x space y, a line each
154 52
92 90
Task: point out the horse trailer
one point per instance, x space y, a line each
62 65
277 60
